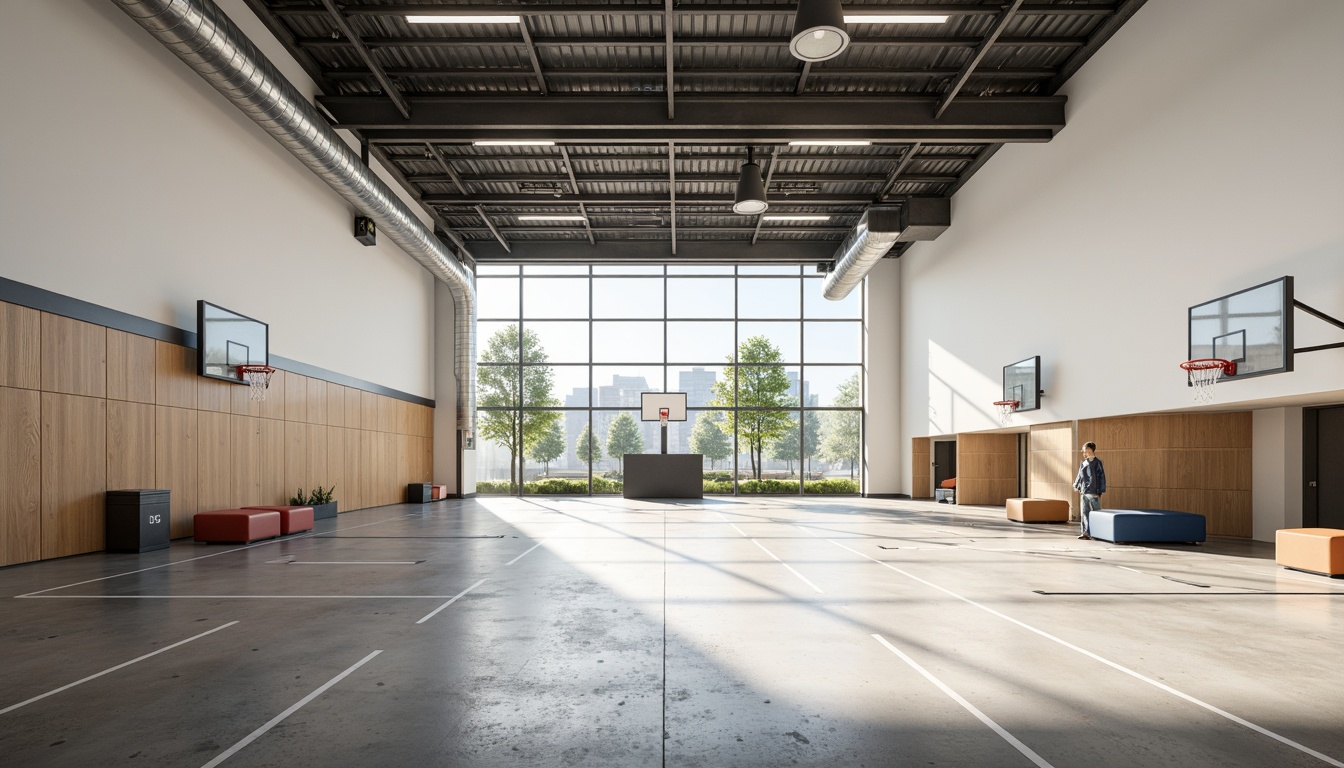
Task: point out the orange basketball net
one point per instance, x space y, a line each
1204 372
258 378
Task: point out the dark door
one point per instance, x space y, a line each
944 461
1330 468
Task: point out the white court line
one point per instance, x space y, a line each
434 612
235 597
786 565
968 706
520 557
215 554
274 721
350 562
122 665
1136 675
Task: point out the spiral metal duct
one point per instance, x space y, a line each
874 235
204 37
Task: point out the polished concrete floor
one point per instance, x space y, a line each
729 632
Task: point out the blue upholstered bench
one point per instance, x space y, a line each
1152 525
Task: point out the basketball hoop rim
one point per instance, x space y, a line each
1008 403
1209 363
243 370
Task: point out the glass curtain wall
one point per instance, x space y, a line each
772 373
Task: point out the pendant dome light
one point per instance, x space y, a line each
818 30
750 197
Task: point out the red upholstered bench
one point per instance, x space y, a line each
237 525
292 519
440 492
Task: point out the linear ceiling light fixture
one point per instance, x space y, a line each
893 18
513 143
794 217
463 19
750 197
818 30
549 217
830 143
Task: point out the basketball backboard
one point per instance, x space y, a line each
226 340
1022 382
651 402
1252 328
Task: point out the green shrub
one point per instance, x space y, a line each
603 485
768 486
719 475
493 486
718 486
831 486
556 486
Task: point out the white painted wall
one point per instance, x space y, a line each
883 455
127 181
1276 471
1201 156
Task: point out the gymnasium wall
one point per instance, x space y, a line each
85 409
1198 159
130 183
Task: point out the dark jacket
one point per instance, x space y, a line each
1091 477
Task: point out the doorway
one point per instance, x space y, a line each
944 461
1323 456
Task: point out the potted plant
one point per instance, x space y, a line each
322 500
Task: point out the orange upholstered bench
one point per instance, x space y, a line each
440 492
237 525
1316 550
292 519
1038 510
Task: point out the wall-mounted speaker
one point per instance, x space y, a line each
365 231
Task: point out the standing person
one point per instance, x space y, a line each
1091 483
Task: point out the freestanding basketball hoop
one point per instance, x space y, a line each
258 378
1006 408
1204 373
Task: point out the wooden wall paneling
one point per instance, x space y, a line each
335 473
387 413
74 356
131 457
354 485
427 420
274 481
986 468
175 376
1051 464
273 407
921 468
241 402
214 395
245 461
74 473
20 473
387 488
405 416
20 347
335 405
405 471
354 408
368 410
317 456
317 401
177 464
214 470
296 396
296 458
367 479
131 367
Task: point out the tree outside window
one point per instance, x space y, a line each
709 439
587 450
550 447
623 436
499 387
840 435
759 382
